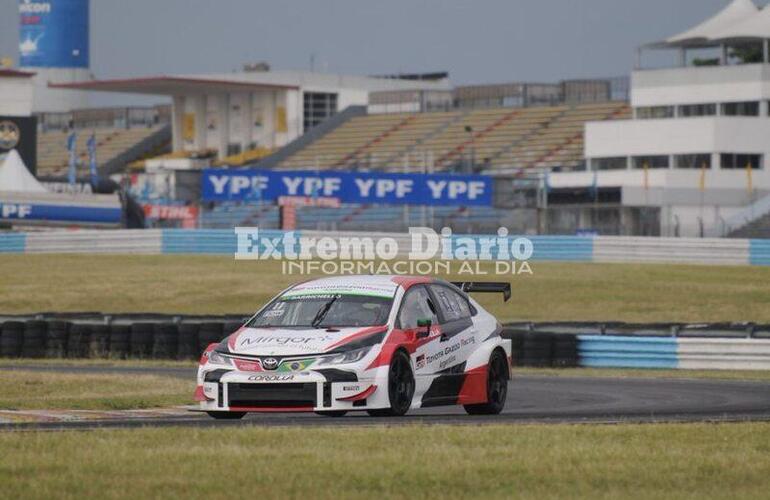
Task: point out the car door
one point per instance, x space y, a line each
448 354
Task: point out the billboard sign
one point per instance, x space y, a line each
20 133
349 187
54 33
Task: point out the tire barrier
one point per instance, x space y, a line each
11 336
559 345
546 248
34 339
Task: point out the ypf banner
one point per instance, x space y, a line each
348 187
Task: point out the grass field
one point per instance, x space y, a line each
211 284
29 390
665 461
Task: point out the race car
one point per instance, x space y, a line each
380 344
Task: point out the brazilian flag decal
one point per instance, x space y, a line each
296 365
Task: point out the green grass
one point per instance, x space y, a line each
220 284
28 390
664 461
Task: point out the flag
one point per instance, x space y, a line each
646 167
594 189
72 142
702 181
91 144
749 180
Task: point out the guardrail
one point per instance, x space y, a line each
673 346
556 248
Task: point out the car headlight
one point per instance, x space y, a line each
218 359
345 357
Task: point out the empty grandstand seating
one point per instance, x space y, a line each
53 157
356 217
499 140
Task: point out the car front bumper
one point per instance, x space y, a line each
236 391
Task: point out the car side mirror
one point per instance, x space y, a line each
423 327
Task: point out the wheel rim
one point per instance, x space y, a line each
400 385
497 383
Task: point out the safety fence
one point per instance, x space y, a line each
560 345
559 248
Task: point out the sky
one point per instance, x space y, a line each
477 41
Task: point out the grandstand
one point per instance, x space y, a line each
353 217
495 140
53 156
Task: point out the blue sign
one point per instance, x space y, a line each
54 33
348 187
59 213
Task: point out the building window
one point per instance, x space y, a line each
750 108
647 112
738 160
699 160
614 163
318 106
650 161
697 110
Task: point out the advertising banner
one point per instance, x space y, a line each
348 187
54 34
20 133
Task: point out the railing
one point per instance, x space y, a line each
555 248
742 218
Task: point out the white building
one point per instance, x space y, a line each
698 146
237 112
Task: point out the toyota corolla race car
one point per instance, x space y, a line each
383 344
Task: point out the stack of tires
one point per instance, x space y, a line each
79 340
539 349
142 339
11 336
34 339
58 335
120 340
208 333
166 341
188 346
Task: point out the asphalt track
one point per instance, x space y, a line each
531 399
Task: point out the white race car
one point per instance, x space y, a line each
383 344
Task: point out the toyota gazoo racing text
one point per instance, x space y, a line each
383 344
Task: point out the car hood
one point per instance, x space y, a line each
294 342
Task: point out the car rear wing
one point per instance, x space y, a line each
485 287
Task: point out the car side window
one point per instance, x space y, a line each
453 305
416 306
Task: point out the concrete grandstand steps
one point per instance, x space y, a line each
53 157
499 139
375 141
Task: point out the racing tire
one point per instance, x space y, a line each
497 387
333 413
226 415
400 387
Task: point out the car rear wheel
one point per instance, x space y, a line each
226 415
400 387
334 413
497 387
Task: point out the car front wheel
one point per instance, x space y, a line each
497 387
400 387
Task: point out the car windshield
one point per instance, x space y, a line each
324 311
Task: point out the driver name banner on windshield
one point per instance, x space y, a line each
330 290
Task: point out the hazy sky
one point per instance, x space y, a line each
477 41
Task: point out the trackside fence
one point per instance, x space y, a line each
559 345
556 248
